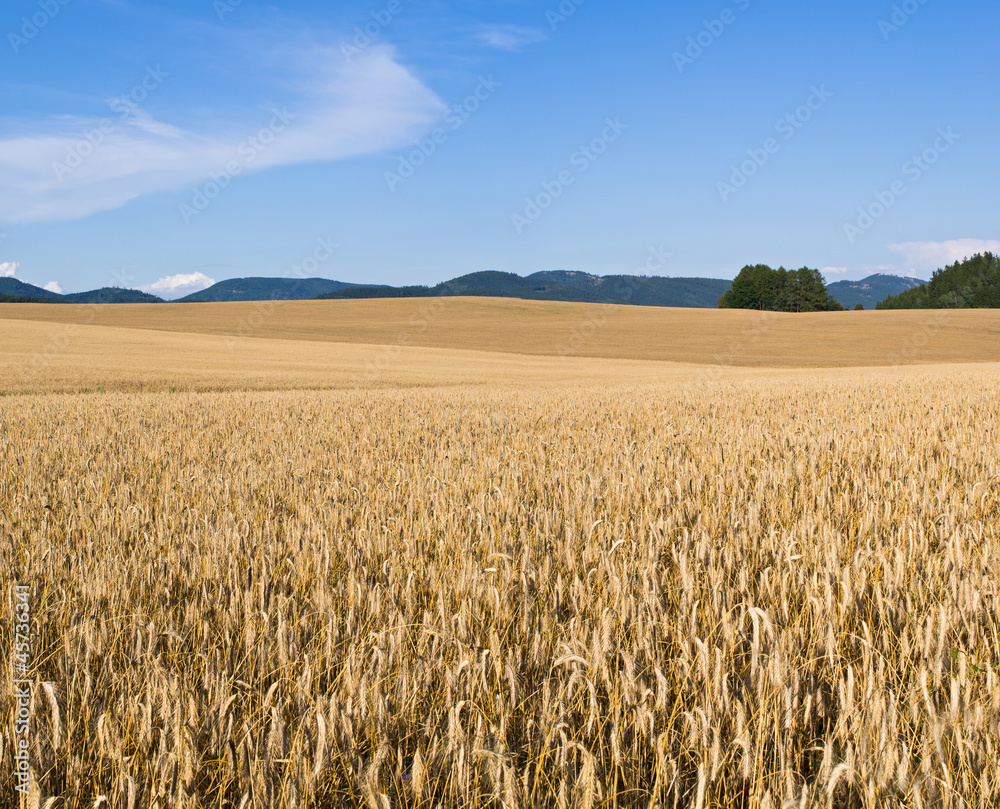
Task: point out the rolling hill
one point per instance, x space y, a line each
559 285
110 295
18 289
265 289
388 332
579 287
14 291
552 285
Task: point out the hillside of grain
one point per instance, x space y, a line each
707 337
765 589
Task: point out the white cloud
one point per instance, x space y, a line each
342 108
929 256
833 270
177 286
53 286
509 37
8 268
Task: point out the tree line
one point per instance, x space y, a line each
973 283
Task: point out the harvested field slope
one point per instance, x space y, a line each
41 357
700 593
728 337
45 358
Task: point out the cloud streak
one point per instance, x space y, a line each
509 37
177 286
929 256
340 110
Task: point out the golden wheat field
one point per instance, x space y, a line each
535 328
290 572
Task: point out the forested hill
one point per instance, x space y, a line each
15 291
797 290
560 285
264 289
970 284
110 295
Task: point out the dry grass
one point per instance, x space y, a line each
728 337
489 580
42 358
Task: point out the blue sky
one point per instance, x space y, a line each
167 145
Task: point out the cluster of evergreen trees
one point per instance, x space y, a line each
970 284
780 290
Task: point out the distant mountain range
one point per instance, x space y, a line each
639 290
560 285
12 288
555 285
871 290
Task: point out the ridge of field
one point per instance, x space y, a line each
37 359
705 337
41 358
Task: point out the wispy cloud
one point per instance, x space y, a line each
177 286
53 286
338 110
8 268
929 256
833 270
509 37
